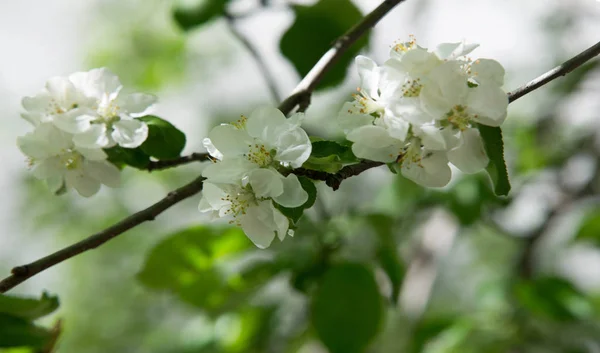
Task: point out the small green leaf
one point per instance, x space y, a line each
133 157
329 156
313 33
330 164
27 308
553 298
387 251
295 213
164 140
347 310
189 265
494 147
198 13
19 332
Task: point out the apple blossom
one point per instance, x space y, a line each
55 158
91 106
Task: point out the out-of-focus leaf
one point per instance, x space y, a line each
494 147
295 213
347 309
387 251
329 156
589 229
469 198
164 141
198 13
428 329
553 298
19 332
188 264
133 157
27 308
313 33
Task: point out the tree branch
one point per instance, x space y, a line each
308 84
21 273
262 67
334 180
556 72
171 163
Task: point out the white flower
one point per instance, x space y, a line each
55 159
91 106
259 219
265 138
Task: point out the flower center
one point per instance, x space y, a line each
239 200
459 117
412 88
367 104
241 123
259 154
71 160
406 46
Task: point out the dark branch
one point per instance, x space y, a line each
334 180
171 163
558 71
308 84
21 273
262 67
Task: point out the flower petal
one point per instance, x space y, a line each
469 156
93 154
293 148
259 224
488 71
263 122
266 182
94 137
104 172
229 140
383 154
490 103
129 133
229 170
84 184
136 104
293 194
74 121
100 84
350 117
372 136
429 169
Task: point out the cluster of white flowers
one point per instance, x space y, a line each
420 110
74 118
245 181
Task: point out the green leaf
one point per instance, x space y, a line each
313 33
189 264
198 13
387 251
27 308
133 157
347 310
295 213
590 227
330 164
164 140
494 147
19 332
553 298
329 156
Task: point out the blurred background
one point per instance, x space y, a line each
456 269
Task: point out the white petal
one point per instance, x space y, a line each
62 91
93 154
33 147
469 156
419 61
49 168
104 172
74 121
84 184
204 205
129 133
100 83
229 140
384 154
214 196
369 75
212 150
55 183
37 104
489 102
262 123
372 136
450 51
431 137
259 224
229 170
266 182
136 104
282 223
350 117
293 194
431 170
94 137
488 71
293 147
396 127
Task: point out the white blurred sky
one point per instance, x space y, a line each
40 39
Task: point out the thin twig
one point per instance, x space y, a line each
308 84
171 163
334 180
269 79
558 71
21 273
